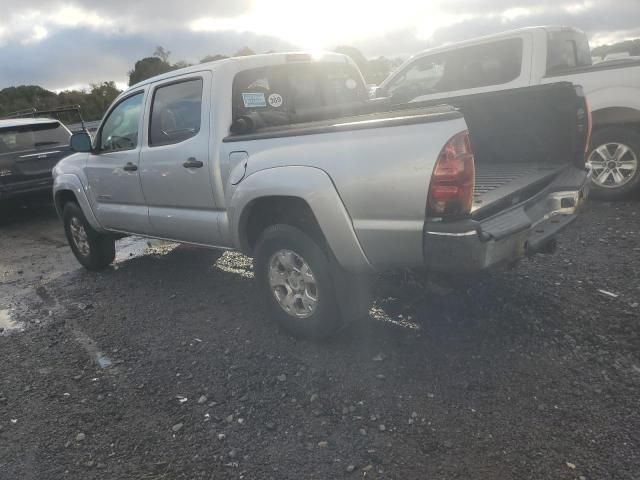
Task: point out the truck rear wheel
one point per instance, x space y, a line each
615 163
295 276
93 250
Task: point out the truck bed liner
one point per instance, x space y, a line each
499 183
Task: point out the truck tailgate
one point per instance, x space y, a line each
499 185
522 139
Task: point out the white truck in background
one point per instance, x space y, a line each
535 56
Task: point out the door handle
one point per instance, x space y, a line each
130 167
192 163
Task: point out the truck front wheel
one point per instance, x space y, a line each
295 276
614 162
93 250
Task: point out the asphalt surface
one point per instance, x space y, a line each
165 367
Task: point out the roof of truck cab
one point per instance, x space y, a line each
251 61
20 122
475 41
497 36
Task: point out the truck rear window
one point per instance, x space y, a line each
567 50
32 137
493 63
282 90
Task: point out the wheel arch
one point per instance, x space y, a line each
304 197
265 211
614 116
68 187
61 198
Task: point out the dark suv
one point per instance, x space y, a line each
29 149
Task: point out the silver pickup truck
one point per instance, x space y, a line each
285 159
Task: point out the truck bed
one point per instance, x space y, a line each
521 138
500 183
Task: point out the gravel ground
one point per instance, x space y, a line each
164 367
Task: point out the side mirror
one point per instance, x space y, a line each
80 142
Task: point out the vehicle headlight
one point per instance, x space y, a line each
5 172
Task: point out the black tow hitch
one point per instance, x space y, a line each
548 247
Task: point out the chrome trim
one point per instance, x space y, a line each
448 234
41 154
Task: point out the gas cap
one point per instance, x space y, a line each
237 166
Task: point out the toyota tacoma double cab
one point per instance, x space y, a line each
284 158
538 56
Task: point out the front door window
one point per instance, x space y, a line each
120 129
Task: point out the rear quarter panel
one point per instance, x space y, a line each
615 87
381 175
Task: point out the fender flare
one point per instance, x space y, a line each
70 182
315 187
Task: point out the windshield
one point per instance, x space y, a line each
33 137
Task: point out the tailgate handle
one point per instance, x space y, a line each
192 163
130 167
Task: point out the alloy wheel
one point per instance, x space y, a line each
79 236
612 165
293 284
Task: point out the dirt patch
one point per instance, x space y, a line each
530 373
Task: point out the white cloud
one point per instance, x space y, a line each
73 16
513 13
28 26
38 33
319 24
41 40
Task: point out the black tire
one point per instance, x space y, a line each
325 319
101 247
611 135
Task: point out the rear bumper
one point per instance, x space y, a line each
25 187
468 246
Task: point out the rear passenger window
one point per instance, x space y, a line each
423 77
494 63
277 92
175 112
567 50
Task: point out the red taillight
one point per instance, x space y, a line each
589 126
453 179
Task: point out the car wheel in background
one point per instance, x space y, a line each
93 250
614 160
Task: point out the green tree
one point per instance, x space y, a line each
244 52
99 98
356 55
24 97
213 58
377 70
148 67
162 54
93 102
181 64
630 46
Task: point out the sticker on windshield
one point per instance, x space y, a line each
275 100
254 100
351 83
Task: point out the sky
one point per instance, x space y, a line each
70 44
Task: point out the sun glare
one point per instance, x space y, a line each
325 23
